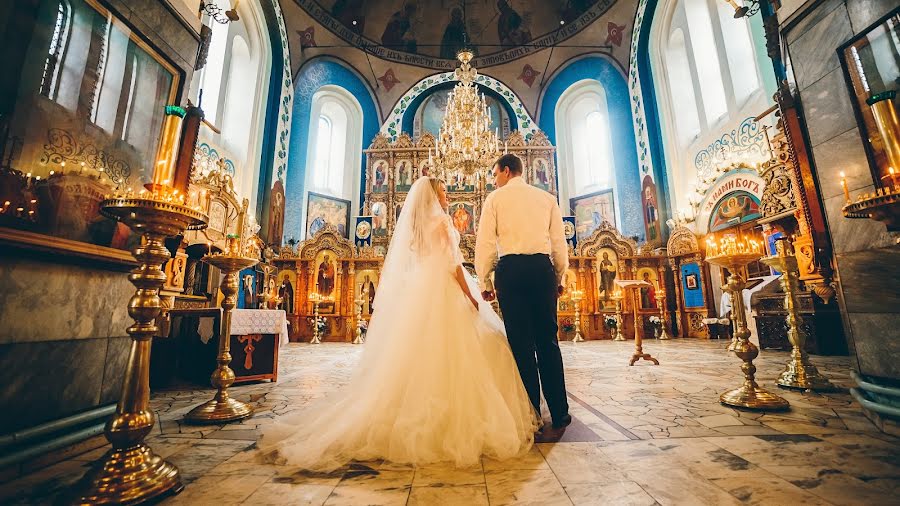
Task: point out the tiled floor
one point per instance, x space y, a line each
642 435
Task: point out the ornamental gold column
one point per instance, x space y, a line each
222 408
799 373
735 255
130 472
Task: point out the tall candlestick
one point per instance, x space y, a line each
167 154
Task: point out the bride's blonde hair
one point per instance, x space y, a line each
436 184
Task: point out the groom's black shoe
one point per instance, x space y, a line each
562 422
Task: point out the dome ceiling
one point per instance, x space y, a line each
428 33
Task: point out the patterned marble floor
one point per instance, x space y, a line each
642 435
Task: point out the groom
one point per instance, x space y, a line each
522 225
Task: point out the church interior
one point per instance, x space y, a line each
176 171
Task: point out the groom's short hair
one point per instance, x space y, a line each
512 161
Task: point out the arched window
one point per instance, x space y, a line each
211 75
683 99
708 80
706 59
50 77
585 154
233 88
238 105
334 152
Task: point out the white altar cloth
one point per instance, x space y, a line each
260 321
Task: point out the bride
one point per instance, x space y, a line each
436 382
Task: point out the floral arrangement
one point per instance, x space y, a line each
610 322
655 321
568 325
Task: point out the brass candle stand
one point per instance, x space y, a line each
130 472
618 298
358 338
223 408
734 256
661 301
577 296
799 373
316 299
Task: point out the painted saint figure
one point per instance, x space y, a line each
648 293
607 276
461 219
454 35
398 34
510 29
325 279
367 290
286 294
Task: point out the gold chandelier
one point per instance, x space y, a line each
465 146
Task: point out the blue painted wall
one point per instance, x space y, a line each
312 76
693 297
628 184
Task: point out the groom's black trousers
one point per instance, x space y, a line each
526 290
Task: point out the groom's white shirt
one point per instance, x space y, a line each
519 219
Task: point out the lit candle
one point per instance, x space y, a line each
844 186
893 180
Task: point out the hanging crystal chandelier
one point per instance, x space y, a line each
465 146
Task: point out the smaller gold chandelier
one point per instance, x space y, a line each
465 146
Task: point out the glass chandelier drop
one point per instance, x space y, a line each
465 146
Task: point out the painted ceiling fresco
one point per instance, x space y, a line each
428 33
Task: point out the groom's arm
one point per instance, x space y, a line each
486 245
559 252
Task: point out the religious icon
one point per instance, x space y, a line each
379 218
324 210
367 293
648 293
607 268
591 211
691 281
248 280
461 215
363 230
286 294
325 277
455 36
651 215
541 174
379 184
404 176
734 208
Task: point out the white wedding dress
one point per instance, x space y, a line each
436 381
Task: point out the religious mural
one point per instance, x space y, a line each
430 114
651 209
323 210
435 31
592 210
733 209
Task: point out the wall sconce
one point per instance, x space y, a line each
741 11
216 14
